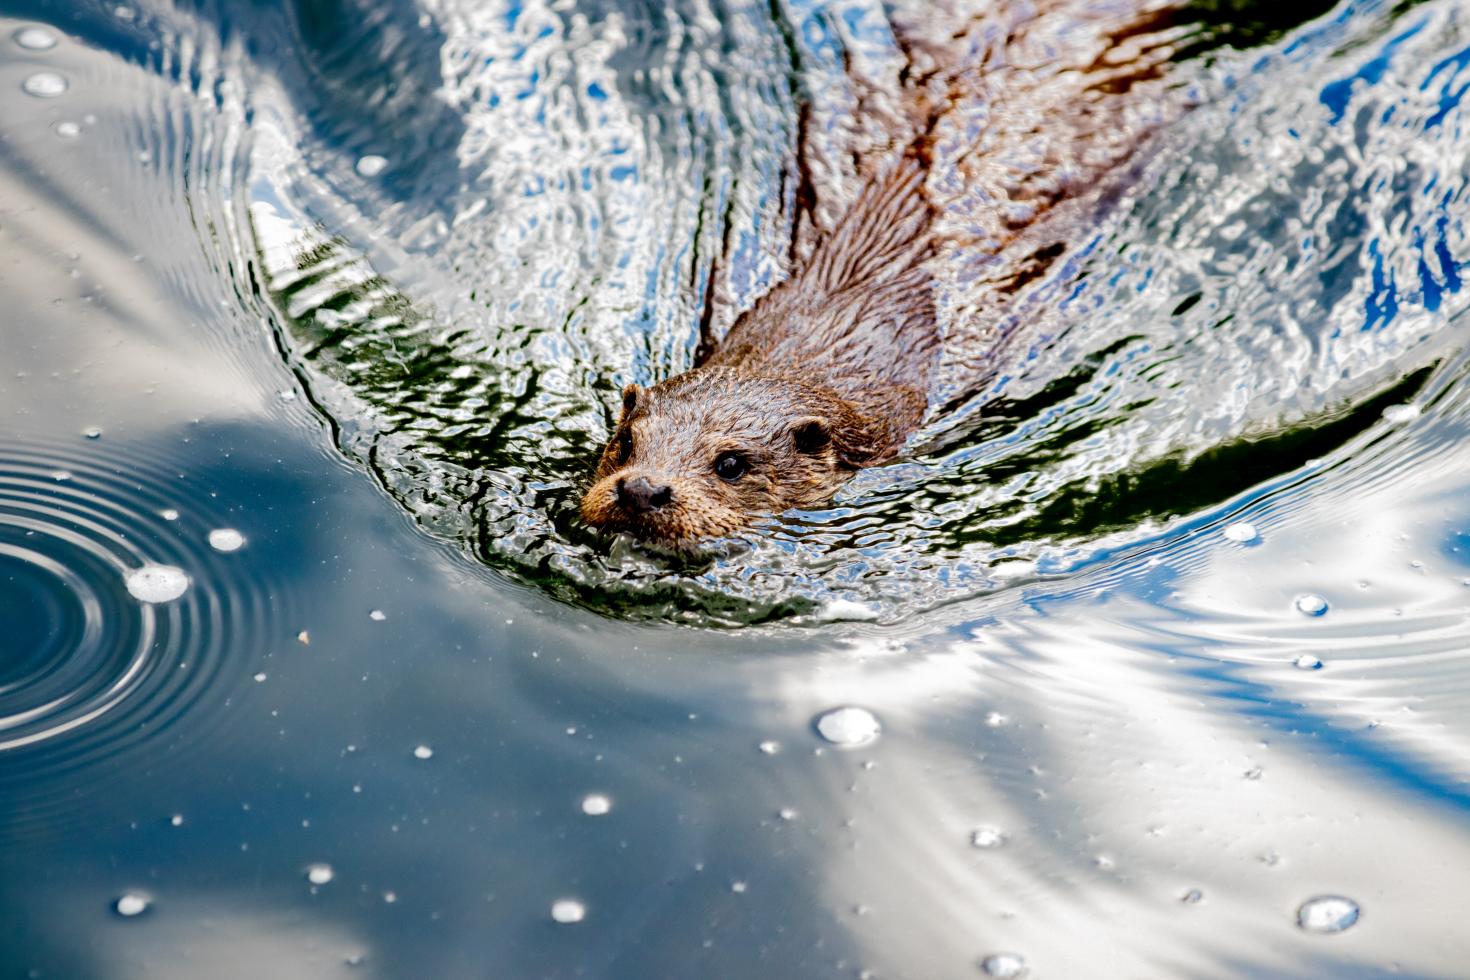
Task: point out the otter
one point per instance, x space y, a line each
831 371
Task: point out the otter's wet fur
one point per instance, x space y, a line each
834 368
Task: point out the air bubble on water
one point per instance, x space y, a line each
260 677
169 514
377 615
320 873
986 838
423 752
44 85
371 165
390 897
35 39
226 539
1326 914
596 805
1240 532
67 129
568 910
1311 604
849 727
129 904
1004 965
770 746
1307 662
1401 413
738 887
157 583
177 820
835 610
787 813
92 432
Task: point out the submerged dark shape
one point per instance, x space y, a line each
1014 123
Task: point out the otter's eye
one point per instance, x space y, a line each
625 445
731 466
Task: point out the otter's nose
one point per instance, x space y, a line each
639 496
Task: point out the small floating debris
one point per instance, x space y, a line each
1311 604
129 904
849 727
1307 662
1326 914
596 805
371 165
226 539
304 638
157 583
986 838
423 752
320 873
568 910
1004 965
35 39
44 85
1241 532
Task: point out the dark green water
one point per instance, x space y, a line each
1167 630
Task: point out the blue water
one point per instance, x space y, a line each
1166 632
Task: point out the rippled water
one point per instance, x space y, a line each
315 319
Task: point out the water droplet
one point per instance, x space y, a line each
1004 965
129 904
987 837
1307 662
35 39
596 805
44 85
1327 914
157 583
68 130
568 910
92 432
377 615
1192 897
320 873
226 539
850 727
371 165
1311 604
423 752
770 746
177 819
1241 532
1401 413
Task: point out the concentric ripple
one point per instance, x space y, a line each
92 672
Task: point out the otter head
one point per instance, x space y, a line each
702 454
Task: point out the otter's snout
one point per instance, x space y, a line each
639 496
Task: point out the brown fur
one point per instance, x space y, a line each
832 370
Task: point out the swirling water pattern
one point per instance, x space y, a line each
1174 659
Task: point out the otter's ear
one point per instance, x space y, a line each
631 394
811 436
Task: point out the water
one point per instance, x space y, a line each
356 286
